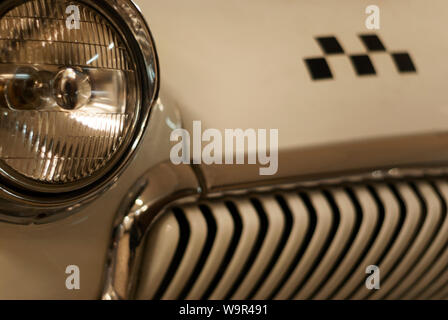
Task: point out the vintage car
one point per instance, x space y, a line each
284 149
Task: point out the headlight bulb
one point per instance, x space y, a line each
24 91
71 89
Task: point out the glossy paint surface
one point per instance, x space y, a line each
240 64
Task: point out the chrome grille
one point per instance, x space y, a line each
304 244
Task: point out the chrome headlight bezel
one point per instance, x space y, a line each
22 204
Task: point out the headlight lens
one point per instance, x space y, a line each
69 95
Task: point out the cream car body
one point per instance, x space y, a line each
240 64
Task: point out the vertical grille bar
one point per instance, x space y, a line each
305 244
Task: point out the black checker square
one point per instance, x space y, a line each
330 45
404 62
372 42
319 68
363 65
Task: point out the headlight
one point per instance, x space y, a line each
77 79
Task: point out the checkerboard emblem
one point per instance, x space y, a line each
319 68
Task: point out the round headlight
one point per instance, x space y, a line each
77 79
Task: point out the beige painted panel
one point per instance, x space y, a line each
239 64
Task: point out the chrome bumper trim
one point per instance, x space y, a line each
159 187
